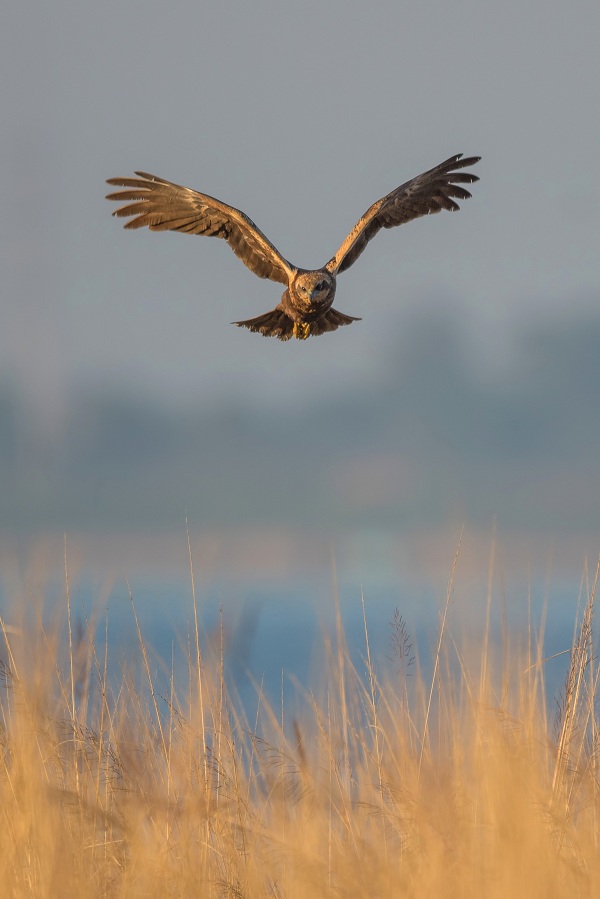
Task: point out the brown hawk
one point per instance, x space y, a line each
306 307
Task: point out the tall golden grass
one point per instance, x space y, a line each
455 785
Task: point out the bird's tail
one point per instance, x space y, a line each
277 324
272 324
331 321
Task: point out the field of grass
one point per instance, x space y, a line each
459 784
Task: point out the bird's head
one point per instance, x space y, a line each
313 288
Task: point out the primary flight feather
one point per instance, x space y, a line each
306 307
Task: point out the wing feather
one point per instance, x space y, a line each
163 206
426 194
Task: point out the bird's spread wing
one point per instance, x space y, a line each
163 206
427 193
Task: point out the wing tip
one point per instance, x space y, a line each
470 160
129 181
148 177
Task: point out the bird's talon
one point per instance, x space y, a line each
301 330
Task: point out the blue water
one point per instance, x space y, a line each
274 634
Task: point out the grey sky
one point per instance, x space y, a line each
301 114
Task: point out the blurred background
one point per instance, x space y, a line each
469 393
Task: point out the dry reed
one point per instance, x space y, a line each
454 787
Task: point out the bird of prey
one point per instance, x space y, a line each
305 308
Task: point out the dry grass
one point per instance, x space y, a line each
456 787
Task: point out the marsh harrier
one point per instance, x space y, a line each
305 308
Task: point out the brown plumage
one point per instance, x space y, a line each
305 308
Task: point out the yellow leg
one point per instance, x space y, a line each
301 330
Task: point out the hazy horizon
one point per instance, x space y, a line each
468 392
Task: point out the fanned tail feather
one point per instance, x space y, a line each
272 324
277 324
331 321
